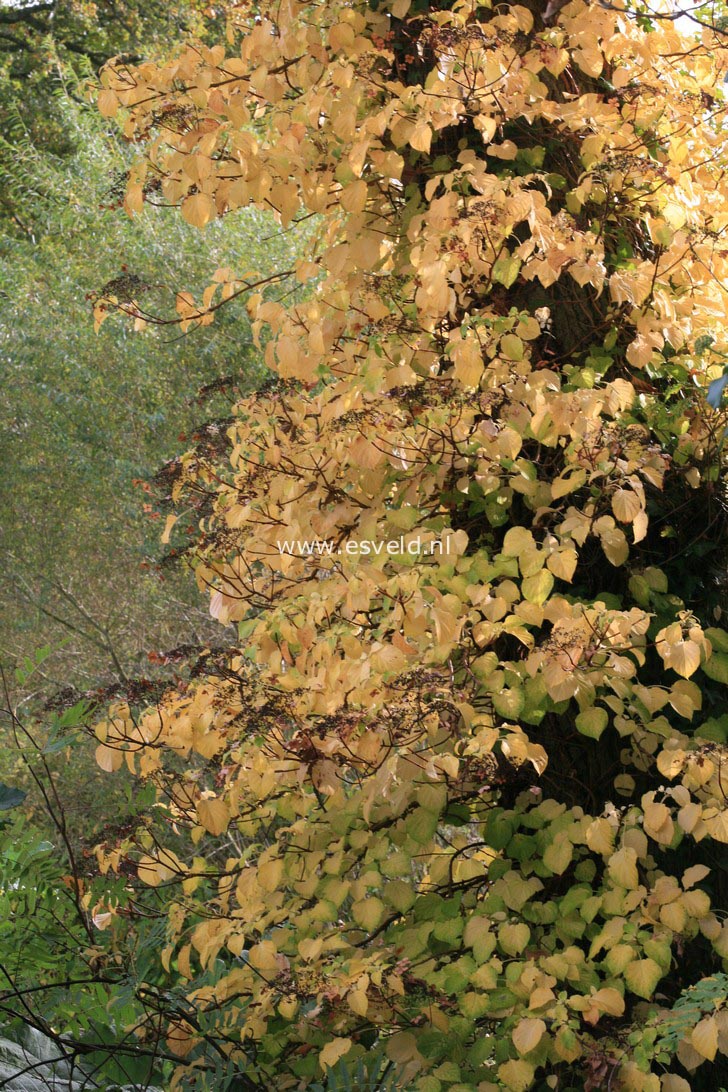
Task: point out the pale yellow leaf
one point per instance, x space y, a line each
516 1075
626 505
168 525
622 867
672 1083
368 913
640 525
156 870
107 102
609 1001
563 564
109 759
527 1035
536 589
358 1002
334 1050
615 546
214 815
704 1038
642 976
198 209
694 875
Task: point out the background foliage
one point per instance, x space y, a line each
87 419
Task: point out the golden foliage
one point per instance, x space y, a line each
444 783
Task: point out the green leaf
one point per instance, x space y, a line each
508 703
702 343
10 798
718 638
717 667
536 589
506 269
592 722
557 856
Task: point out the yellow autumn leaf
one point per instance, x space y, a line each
109 758
527 1035
657 821
622 868
558 855
180 1038
615 546
354 196
566 484
512 347
563 564
108 102
671 1082
683 656
694 875
333 1051
198 209
600 836
673 915
516 1075
310 948
263 957
716 823
421 136
358 1002
168 525
270 874
513 938
160 869
639 525
671 762
341 37
517 541
368 912
626 505
704 1037
642 976
213 814
609 1001
632 1078
537 588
